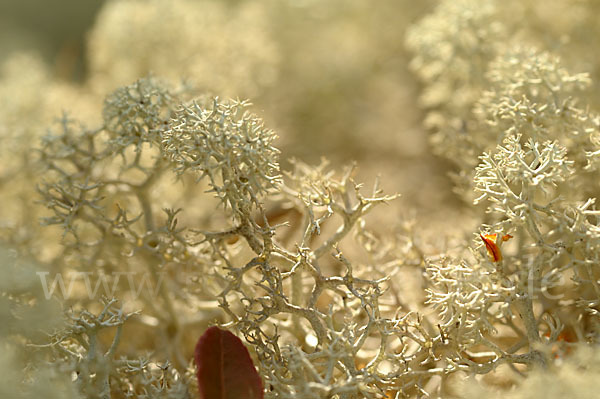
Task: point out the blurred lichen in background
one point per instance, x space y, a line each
167 165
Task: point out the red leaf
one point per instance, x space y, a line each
225 370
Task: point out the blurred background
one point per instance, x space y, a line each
54 30
330 77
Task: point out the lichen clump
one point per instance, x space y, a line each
168 208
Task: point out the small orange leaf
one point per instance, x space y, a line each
559 348
490 244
